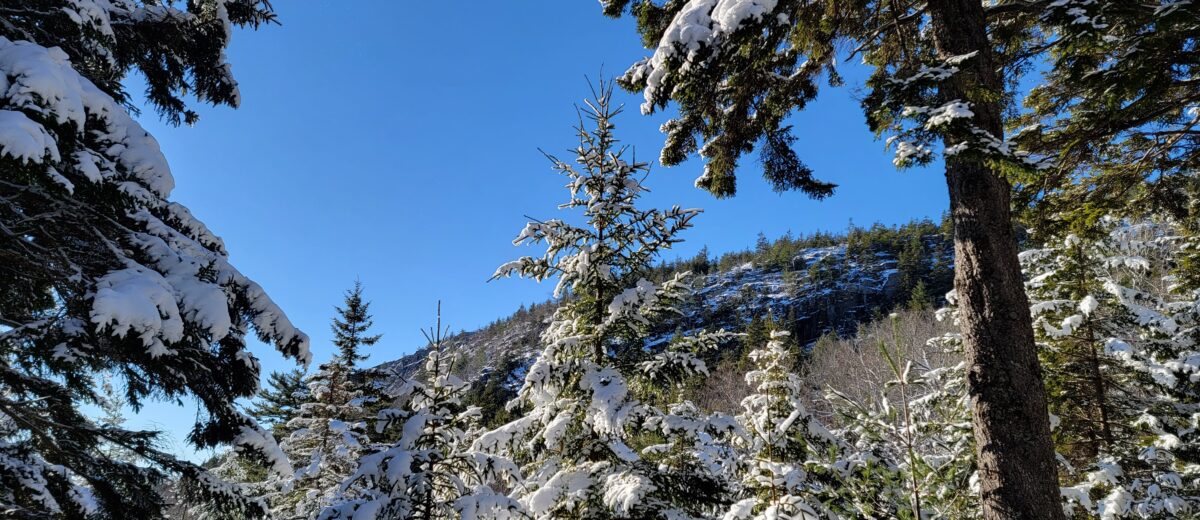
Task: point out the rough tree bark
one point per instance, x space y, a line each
1018 477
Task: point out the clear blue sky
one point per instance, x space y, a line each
396 142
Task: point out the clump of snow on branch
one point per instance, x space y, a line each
149 296
694 35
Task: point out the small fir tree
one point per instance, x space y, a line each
912 449
784 473
918 299
690 448
327 439
350 328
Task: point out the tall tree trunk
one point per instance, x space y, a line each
1018 477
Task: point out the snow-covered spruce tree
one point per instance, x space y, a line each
788 470
575 437
329 434
428 472
351 334
102 273
327 439
1122 368
911 452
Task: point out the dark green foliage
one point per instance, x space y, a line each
862 243
761 244
178 54
351 333
923 252
825 273
1188 268
701 264
1116 112
493 390
772 254
919 299
350 327
1076 371
757 333
783 169
735 102
281 402
913 264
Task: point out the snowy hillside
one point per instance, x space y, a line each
821 289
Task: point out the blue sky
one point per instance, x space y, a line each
397 143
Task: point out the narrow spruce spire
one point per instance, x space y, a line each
351 327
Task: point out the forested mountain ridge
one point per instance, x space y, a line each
812 285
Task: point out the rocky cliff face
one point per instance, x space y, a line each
823 289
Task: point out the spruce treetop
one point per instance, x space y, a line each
351 326
599 265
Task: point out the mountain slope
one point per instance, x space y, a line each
811 289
